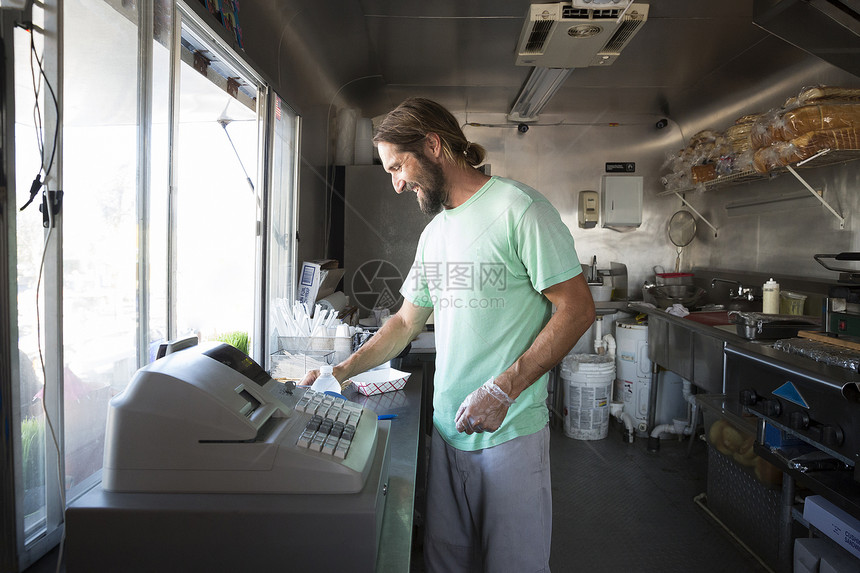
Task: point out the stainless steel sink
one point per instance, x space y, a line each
667 295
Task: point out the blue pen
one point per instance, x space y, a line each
386 417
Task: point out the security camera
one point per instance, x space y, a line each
662 123
523 127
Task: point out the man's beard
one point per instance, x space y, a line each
434 188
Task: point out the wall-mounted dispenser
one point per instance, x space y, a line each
622 201
589 209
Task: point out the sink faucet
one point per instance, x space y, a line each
747 293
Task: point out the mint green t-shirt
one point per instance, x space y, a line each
482 267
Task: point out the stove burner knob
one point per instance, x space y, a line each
748 397
832 436
815 432
798 420
772 408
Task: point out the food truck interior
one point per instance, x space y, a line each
193 215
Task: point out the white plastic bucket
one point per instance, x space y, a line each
587 382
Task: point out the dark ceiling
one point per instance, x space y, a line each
374 53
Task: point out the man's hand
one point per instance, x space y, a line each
483 410
310 378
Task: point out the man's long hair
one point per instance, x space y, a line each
410 122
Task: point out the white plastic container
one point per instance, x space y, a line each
326 382
770 297
342 343
587 380
601 292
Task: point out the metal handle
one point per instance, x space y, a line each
837 257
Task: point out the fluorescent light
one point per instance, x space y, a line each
537 91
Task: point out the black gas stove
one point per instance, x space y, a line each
812 406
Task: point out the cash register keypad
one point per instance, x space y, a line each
332 425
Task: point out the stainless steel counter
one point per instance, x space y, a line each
263 528
727 334
395 546
691 349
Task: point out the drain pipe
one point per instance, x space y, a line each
598 335
619 414
679 427
603 343
606 345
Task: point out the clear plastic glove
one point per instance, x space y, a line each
483 410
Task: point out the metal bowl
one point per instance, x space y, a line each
687 295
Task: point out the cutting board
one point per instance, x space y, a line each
853 344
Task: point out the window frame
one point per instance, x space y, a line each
17 551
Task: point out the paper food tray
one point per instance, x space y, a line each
379 381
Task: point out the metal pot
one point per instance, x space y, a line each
667 295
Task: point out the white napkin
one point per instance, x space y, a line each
678 310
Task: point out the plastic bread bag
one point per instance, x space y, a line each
774 156
739 137
676 181
744 161
675 162
818 94
763 131
807 118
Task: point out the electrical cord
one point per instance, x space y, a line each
37 117
35 187
60 481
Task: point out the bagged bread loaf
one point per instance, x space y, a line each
782 153
814 108
703 173
764 129
813 142
707 145
808 118
766 159
817 94
739 136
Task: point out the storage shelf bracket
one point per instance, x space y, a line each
815 193
699 215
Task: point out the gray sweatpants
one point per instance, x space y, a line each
489 510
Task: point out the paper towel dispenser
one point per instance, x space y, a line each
622 201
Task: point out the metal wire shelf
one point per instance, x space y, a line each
823 158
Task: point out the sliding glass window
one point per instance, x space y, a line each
100 246
178 170
217 195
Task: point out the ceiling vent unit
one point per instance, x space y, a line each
568 35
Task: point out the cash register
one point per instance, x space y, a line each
210 464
